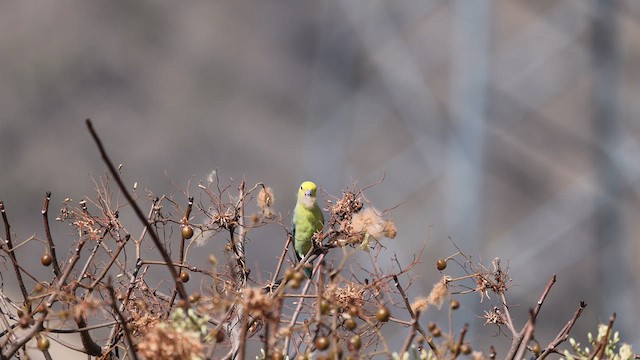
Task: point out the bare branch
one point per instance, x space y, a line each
141 217
123 322
12 254
564 333
517 340
47 231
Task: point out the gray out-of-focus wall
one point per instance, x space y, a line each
509 126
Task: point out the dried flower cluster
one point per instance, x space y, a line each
368 222
491 281
266 199
355 224
180 338
143 317
86 307
436 297
494 316
165 342
345 296
349 204
89 226
225 220
257 303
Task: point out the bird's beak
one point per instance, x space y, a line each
307 193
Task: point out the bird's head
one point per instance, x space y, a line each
307 194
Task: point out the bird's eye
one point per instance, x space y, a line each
300 187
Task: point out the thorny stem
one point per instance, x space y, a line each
141 217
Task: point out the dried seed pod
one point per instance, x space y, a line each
383 314
187 232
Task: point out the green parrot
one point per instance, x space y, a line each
307 220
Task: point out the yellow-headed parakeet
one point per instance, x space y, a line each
307 220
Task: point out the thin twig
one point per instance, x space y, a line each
113 259
47 231
12 254
296 313
238 242
71 331
599 351
123 322
412 333
564 333
536 309
132 280
274 280
517 340
528 334
414 316
458 346
9 351
184 222
47 354
212 349
243 337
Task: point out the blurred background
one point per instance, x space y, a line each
509 126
